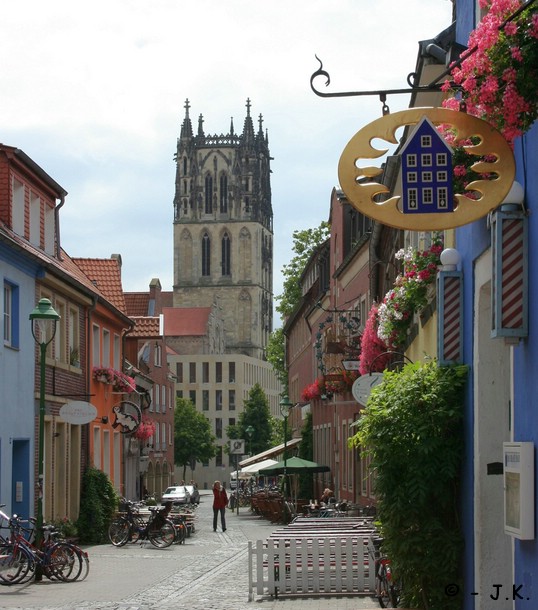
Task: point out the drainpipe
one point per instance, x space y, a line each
57 226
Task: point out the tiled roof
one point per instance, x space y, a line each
145 327
185 321
136 303
105 274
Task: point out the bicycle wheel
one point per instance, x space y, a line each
119 531
62 562
181 532
17 564
163 536
385 593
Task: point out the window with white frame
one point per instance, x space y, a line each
35 220
117 352
73 336
60 343
163 397
96 345
17 213
11 314
106 347
157 355
157 397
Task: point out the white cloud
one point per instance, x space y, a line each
94 93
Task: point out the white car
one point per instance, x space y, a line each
179 494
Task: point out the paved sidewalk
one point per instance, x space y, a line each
208 572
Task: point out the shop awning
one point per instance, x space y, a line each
293 442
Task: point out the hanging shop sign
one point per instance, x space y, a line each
427 198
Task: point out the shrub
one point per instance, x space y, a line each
412 429
98 503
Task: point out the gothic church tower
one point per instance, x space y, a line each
223 230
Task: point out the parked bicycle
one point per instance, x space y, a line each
131 526
387 589
21 560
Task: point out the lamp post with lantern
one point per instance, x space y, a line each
285 406
43 320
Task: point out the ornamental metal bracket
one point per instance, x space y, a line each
382 93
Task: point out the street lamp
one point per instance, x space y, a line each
285 406
43 320
249 431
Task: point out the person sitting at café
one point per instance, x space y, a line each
326 496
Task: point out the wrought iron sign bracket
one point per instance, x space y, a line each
382 93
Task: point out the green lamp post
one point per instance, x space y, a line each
285 406
43 321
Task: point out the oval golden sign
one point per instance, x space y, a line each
360 189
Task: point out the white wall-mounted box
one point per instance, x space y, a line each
518 460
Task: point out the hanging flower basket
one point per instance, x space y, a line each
498 77
103 374
146 429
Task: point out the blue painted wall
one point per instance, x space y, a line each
471 241
17 376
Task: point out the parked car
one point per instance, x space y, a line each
178 494
194 494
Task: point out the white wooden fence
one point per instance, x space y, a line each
332 565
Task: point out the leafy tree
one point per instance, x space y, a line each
305 242
276 356
193 440
412 428
257 415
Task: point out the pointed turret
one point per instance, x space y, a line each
186 127
248 128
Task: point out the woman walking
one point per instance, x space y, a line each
220 501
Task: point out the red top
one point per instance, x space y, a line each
220 498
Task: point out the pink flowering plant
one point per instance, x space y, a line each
106 374
123 383
409 294
372 347
499 73
313 390
146 429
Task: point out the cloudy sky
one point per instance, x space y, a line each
94 92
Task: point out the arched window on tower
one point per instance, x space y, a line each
224 194
208 194
226 256
184 166
206 255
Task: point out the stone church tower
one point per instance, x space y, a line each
223 230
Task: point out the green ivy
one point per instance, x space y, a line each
98 503
412 429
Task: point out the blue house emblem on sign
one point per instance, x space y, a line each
427 185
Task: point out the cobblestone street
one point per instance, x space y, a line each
210 571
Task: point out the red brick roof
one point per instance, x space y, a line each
105 274
145 327
137 303
185 321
